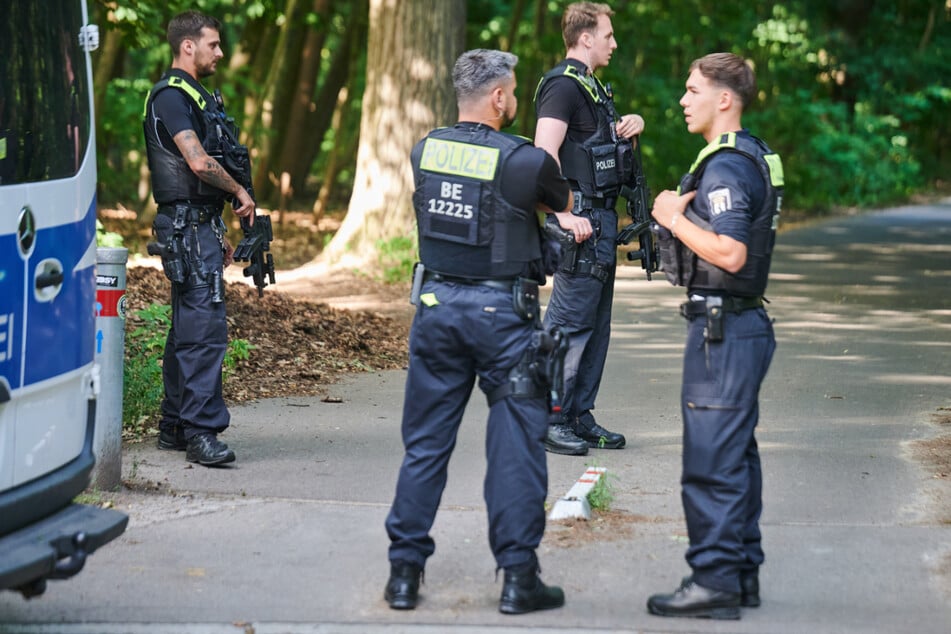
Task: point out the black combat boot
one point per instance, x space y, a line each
749 589
561 439
402 588
693 600
595 435
523 591
172 439
207 450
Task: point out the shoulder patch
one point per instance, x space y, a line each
720 200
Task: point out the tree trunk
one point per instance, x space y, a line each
412 47
303 101
277 96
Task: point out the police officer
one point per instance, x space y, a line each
717 241
579 126
190 187
476 195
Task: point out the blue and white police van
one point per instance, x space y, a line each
48 377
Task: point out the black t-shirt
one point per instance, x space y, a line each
174 112
529 164
564 99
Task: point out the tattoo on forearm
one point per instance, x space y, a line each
213 173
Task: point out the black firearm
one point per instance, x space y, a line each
637 195
254 248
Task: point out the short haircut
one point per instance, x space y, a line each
581 17
729 71
188 26
479 71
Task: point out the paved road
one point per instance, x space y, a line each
856 529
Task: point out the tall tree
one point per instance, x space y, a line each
412 47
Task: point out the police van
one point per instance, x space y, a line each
48 377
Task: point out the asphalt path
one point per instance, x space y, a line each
856 526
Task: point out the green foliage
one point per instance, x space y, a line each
864 161
601 495
142 374
107 238
238 350
852 130
396 258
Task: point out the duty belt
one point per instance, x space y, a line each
731 304
199 213
501 285
583 202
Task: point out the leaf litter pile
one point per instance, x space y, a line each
299 346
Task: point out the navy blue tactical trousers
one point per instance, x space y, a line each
196 343
722 479
581 306
465 332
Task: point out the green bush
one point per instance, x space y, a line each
831 159
397 256
142 374
107 238
601 494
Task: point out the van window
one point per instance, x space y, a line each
44 99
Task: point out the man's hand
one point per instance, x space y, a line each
629 126
577 225
669 206
244 206
228 254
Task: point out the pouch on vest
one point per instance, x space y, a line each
604 166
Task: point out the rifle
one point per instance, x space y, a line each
637 195
255 246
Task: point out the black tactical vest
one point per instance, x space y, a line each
466 227
603 162
172 179
684 268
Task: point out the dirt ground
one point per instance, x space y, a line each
301 344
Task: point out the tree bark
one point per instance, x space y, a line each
413 45
290 160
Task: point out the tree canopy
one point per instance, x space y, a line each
854 94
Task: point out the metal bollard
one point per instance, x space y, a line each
110 356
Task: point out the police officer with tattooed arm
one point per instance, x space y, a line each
477 317
717 241
579 126
190 186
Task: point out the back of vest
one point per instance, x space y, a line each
466 227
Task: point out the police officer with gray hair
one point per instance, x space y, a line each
183 122
477 317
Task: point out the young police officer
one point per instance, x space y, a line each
579 126
719 241
190 188
476 196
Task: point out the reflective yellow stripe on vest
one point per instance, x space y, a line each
181 84
728 140
459 159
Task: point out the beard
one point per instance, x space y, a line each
205 69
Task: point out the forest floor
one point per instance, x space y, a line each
308 329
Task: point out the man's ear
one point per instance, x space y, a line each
726 100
